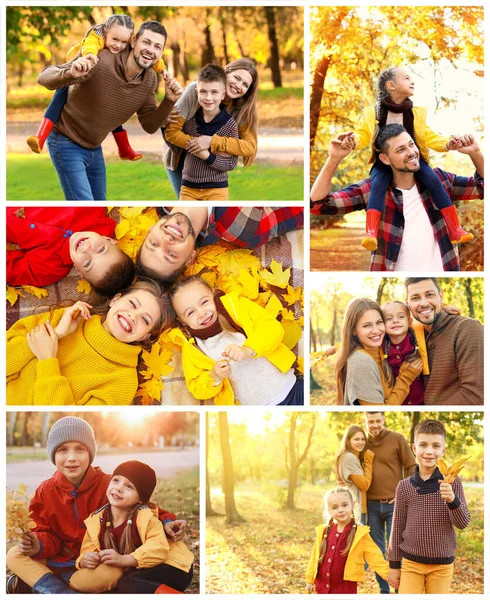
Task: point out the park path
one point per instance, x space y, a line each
166 465
275 145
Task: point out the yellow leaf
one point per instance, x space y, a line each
276 276
12 295
274 305
151 388
442 466
233 261
153 360
122 229
293 333
301 364
293 295
84 287
22 488
35 291
210 278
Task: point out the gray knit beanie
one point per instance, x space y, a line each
71 429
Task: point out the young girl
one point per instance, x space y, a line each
232 349
70 357
126 534
341 548
242 82
363 375
395 87
114 34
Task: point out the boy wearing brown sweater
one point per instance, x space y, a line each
423 540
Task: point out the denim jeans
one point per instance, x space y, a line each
175 177
380 516
81 171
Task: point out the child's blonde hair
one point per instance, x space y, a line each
329 522
126 544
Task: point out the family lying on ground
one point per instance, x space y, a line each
115 69
418 352
412 223
403 499
96 532
223 337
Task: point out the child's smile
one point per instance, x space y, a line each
397 321
194 306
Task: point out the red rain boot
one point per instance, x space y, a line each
124 148
370 242
164 589
36 142
457 234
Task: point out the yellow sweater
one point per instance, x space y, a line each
91 367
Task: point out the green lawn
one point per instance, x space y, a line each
34 178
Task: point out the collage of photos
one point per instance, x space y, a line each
236 363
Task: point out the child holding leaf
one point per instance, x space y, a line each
427 508
232 348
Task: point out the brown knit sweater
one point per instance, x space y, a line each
393 460
455 348
104 99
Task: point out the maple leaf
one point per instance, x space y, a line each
84 287
150 390
274 305
13 294
35 291
122 229
293 295
233 261
18 516
210 278
153 360
450 473
276 276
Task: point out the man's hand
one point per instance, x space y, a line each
238 353
29 544
43 341
394 578
173 117
90 560
82 65
175 530
447 492
173 89
203 142
221 369
114 559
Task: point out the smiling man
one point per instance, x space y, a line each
412 233
105 91
454 346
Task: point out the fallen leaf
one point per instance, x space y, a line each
84 287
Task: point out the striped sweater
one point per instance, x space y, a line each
423 523
212 172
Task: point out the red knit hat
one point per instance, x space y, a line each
141 475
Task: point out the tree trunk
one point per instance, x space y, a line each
469 296
316 96
312 335
209 510
208 55
232 515
45 429
295 461
274 48
225 44
238 43
381 287
314 385
334 327
175 47
11 428
415 422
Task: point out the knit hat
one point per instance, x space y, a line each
141 475
71 429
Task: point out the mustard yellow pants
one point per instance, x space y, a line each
418 578
187 193
90 581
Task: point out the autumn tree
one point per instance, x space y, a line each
232 515
294 457
210 512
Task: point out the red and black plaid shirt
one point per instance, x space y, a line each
356 196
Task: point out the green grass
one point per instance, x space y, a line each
280 93
34 178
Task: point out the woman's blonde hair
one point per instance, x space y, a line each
345 446
244 109
349 342
329 521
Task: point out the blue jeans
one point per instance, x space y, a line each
175 177
81 171
380 516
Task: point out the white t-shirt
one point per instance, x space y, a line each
419 250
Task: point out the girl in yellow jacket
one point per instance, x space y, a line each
395 87
341 548
69 356
125 539
232 348
114 34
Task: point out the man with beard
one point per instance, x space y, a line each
412 233
169 247
454 346
105 91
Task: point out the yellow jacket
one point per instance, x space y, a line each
425 138
155 549
91 367
363 549
93 43
264 336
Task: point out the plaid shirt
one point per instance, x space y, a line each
355 197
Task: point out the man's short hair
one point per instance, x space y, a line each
118 277
210 73
412 280
385 134
431 427
154 26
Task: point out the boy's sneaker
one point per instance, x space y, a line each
17 586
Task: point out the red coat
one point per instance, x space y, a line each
42 236
59 511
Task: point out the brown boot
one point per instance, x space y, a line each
124 148
457 234
36 142
370 242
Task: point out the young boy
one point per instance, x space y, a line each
423 540
50 241
45 557
205 174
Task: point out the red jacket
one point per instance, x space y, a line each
42 236
59 511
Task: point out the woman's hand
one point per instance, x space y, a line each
221 369
415 363
90 560
72 317
369 454
43 341
451 310
203 142
238 353
114 559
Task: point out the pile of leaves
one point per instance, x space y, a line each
18 516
